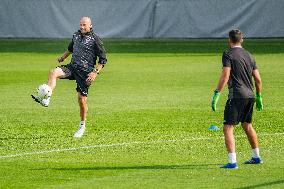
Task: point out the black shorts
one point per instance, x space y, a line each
238 110
80 76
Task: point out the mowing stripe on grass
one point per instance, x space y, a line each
125 144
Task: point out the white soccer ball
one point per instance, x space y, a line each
44 91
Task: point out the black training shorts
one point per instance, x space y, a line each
238 110
73 73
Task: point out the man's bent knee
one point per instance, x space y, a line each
56 73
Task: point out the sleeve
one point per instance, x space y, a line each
70 46
226 60
100 50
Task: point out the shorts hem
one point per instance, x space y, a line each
246 121
231 123
82 93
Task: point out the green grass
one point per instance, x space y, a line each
154 95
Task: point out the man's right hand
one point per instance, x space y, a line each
258 100
60 59
215 99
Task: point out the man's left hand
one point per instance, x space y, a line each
91 77
258 100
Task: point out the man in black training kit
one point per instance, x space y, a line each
85 47
238 69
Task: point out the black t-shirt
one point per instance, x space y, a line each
242 64
85 50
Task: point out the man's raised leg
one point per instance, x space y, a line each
52 76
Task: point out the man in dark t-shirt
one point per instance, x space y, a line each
85 48
238 69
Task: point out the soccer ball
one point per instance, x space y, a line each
44 91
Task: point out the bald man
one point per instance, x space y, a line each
85 47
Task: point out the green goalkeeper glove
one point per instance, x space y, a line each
258 100
215 99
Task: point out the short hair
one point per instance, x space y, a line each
236 35
86 18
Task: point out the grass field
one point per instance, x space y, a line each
148 119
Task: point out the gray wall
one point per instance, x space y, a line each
142 18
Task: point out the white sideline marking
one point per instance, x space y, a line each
123 144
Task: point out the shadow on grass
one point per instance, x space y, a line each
154 167
266 184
